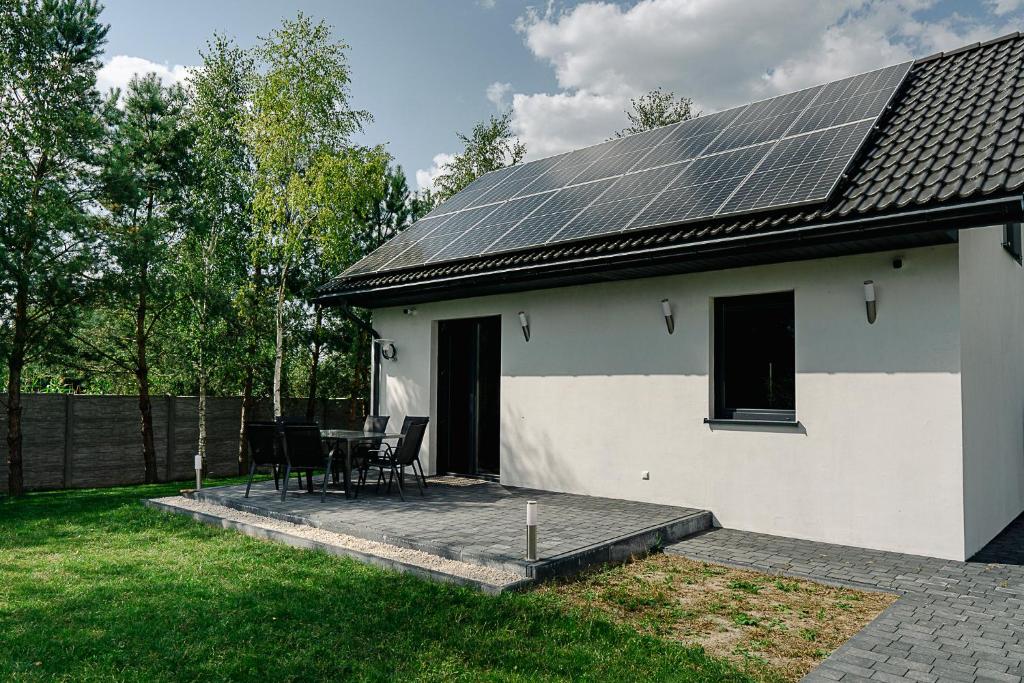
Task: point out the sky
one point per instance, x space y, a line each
565 70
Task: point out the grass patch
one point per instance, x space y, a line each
772 629
95 587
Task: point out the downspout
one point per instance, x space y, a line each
346 310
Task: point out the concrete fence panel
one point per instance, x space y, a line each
81 441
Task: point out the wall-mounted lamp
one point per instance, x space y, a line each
409 311
869 301
388 351
525 324
666 310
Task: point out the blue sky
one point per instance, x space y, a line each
566 70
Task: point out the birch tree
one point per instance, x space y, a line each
212 255
299 117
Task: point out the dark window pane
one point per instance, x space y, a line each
755 364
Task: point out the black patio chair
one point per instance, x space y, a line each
281 421
361 450
304 449
396 460
263 443
406 423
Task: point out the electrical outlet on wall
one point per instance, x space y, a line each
645 475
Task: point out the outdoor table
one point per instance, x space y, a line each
337 437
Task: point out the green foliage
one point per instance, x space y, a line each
655 109
154 241
491 145
298 128
50 123
95 587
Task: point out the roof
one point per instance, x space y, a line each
949 154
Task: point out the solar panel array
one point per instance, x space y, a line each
783 151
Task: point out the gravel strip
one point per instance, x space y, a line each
495 577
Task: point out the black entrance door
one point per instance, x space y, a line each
468 405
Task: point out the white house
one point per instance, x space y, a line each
805 315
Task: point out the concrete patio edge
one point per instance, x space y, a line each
339 551
634 543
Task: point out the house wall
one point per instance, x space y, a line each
602 392
992 359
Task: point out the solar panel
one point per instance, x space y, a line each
702 186
782 151
493 226
800 168
554 213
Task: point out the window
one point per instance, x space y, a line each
1011 240
754 361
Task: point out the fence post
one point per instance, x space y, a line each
69 435
169 464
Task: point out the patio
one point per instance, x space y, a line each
481 522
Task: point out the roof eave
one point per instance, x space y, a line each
919 227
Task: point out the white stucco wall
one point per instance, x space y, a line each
992 358
602 392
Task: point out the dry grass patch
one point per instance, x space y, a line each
774 628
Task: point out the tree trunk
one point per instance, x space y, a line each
279 345
142 379
15 363
250 372
243 449
314 365
202 414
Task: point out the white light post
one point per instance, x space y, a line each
199 471
531 530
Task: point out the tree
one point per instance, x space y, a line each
50 123
655 109
212 254
299 118
491 145
145 172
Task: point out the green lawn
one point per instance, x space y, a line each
95 587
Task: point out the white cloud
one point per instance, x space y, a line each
553 123
497 94
119 71
487 4
719 52
425 176
1006 6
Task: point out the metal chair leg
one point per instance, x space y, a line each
423 476
327 474
417 480
398 481
252 472
284 484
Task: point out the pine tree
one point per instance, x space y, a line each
49 127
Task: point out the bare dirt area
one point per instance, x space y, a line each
774 628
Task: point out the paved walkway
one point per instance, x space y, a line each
955 621
481 522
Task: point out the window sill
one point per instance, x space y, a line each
713 421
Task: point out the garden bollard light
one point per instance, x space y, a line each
199 472
531 530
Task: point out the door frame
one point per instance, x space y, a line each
442 408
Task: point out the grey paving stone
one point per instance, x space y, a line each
954 621
475 520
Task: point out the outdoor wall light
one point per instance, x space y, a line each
525 324
869 301
387 349
666 310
